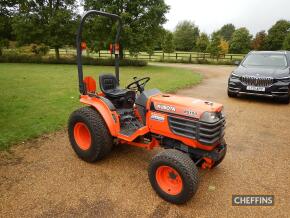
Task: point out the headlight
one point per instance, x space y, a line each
234 76
284 79
209 117
222 112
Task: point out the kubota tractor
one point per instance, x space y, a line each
190 130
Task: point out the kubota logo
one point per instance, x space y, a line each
166 107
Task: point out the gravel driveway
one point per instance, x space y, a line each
44 178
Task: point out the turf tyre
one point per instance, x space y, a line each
101 140
184 166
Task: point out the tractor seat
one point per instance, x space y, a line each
109 86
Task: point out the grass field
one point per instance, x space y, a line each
37 98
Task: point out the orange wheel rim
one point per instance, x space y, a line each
169 180
82 136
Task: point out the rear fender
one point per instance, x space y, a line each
110 116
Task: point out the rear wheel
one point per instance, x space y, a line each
173 175
89 135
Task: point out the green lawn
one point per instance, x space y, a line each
38 98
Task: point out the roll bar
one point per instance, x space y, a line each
79 40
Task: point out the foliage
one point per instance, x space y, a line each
168 43
277 34
200 61
24 58
258 43
226 32
7 7
4 43
286 43
142 23
185 36
241 41
39 98
40 49
224 47
48 22
214 46
202 42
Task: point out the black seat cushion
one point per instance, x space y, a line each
110 87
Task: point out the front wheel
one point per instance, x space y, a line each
285 100
232 94
173 175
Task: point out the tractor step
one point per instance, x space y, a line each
129 124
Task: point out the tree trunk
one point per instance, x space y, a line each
56 53
121 52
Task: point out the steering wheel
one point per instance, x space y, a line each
138 84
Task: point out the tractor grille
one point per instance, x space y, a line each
257 81
205 133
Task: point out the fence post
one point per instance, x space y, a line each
231 57
149 57
190 57
163 56
99 53
176 55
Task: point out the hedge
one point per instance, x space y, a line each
199 61
24 58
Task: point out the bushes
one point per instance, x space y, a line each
24 58
199 61
40 49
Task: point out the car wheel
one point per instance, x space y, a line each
232 94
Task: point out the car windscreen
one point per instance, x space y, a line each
267 60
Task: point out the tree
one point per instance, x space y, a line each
286 43
226 32
258 43
142 23
168 43
214 46
277 34
50 22
241 41
202 42
185 36
224 47
7 8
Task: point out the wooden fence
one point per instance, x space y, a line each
161 56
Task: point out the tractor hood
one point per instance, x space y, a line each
184 106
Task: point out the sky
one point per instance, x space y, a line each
210 15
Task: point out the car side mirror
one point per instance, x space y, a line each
237 63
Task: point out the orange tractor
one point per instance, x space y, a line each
190 130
